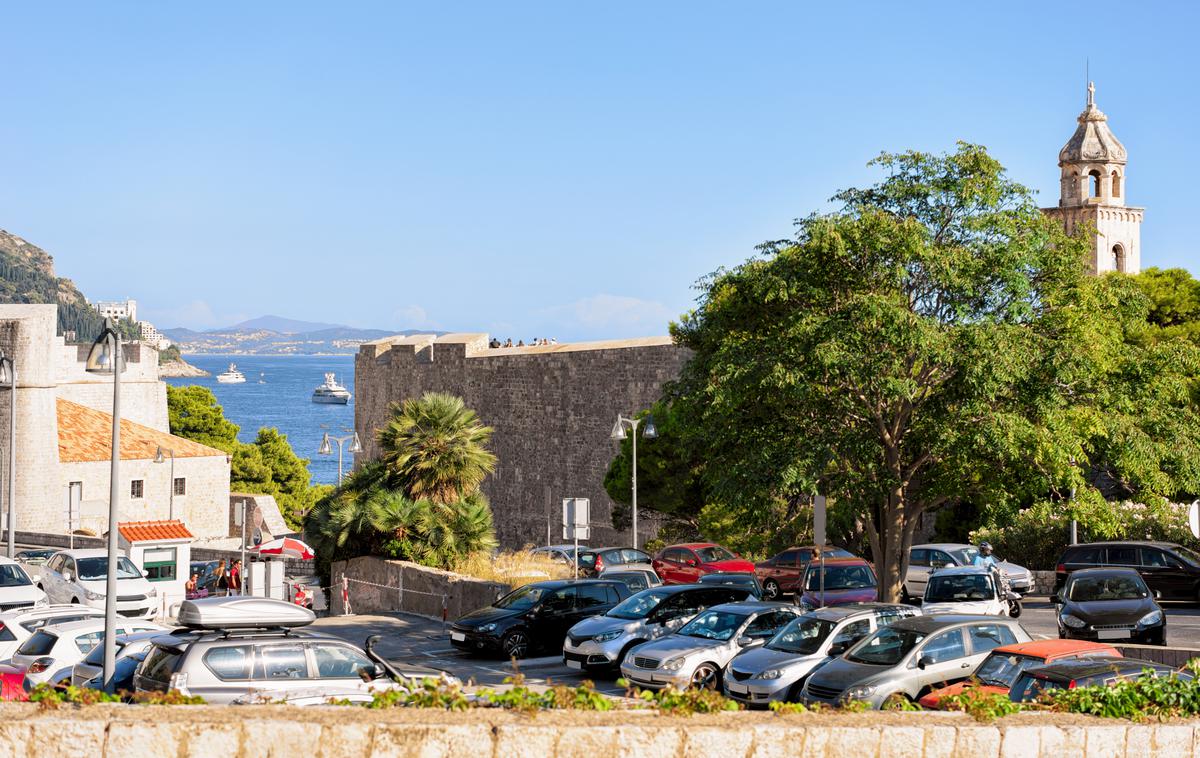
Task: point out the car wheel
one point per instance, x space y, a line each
515 644
706 676
770 589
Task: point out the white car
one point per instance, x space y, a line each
923 560
79 576
17 590
963 589
52 652
18 626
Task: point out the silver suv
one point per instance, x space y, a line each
237 648
600 643
910 657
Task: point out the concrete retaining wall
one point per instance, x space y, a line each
376 584
333 732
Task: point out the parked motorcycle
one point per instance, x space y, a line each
1006 592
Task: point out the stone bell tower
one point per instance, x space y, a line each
1093 191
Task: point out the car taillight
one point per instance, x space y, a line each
1071 684
1061 568
40 665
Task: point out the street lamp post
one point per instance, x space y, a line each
326 448
106 357
158 458
8 378
618 433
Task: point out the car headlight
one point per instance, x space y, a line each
1072 621
153 593
487 628
771 674
673 665
859 692
92 595
608 636
1153 618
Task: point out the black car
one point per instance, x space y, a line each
535 617
596 559
1169 569
1109 604
748 582
1083 672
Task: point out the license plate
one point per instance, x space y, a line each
574 665
736 689
1112 634
458 636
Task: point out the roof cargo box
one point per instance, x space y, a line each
240 612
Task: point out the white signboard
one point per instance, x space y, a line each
819 520
576 515
1194 519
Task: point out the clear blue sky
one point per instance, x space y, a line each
533 169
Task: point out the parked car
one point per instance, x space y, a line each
637 576
241 647
911 657
599 644
781 573
748 582
34 557
564 553
78 576
49 655
847 580
999 671
964 589
12 684
1109 604
19 625
1169 569
128 645
206 574
123 674
925 559
696 655
17 590
594 561
685 564
1033 682
777 670
535 617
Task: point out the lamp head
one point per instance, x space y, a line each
325 448
158 455
101 358
6 372
355 445
649 431
618 430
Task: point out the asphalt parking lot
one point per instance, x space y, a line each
418 640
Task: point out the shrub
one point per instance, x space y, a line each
981 705
512 567
1150 697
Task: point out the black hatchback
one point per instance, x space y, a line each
1084 672
1171 570
1109 605
535 617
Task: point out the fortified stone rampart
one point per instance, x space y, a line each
552 408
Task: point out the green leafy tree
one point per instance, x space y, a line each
937 338
436 447
193 412
1174 303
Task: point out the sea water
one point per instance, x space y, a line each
283 400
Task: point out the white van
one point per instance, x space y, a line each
79 576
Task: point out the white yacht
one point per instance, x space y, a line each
232 376
331 392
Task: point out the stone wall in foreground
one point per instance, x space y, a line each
344 732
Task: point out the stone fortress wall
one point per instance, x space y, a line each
552 408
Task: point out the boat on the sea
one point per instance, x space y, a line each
331 392
232 376
262 377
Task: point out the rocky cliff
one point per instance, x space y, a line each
27 276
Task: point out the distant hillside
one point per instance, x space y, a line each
27 276
281 325
248 339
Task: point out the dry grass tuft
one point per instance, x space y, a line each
514 567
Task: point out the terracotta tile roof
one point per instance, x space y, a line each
149 531
85 434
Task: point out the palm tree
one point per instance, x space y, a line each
448 532
435 448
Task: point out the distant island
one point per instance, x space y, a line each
276 335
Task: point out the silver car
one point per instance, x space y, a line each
600 643
777 670
923 560
127 645
698 653
911 657
636 576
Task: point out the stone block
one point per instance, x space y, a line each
1173 740
977 741
939 742
717 741
144 739
285 736
1104 741
1021 742
524 741
449 741
55 737
14 739
779 741
347 741
902 742
207 740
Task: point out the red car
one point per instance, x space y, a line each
12 683
684 564
781 574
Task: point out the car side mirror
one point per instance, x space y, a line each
838 648
747 641
924 661
66 576
1157 594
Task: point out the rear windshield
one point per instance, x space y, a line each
160 663
959 588
640 605
40 643
839 578
1030 688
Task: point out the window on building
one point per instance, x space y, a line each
1118 258
180 485
1116 181
160 564
1094 183
136 488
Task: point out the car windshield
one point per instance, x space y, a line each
522 598
839 578
803 636
12 575
714 625
1187 554
886 647
93 569
959 588
713 553
964 555
1086 589
1001 670
639 606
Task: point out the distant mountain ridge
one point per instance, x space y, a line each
281 325
276 335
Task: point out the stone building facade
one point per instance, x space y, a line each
552 408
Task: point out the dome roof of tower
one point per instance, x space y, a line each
1093 141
